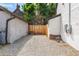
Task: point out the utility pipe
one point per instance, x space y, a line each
70 27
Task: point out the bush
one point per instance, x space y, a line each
28 9
38 11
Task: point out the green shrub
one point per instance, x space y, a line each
38 11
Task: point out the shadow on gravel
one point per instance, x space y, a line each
16 47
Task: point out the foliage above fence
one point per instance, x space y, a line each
28 11
38 11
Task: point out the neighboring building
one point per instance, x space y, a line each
69 23
18 12
4 15
12 25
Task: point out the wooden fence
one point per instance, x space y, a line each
38 29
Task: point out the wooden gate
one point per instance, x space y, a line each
38 29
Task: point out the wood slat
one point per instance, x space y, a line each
38 29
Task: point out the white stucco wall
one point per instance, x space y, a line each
54 26
59 8
3 17
75 24
71 39
65 20
16 29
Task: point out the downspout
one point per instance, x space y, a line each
70 27
6 34
69 14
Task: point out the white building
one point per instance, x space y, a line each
69 23
12 25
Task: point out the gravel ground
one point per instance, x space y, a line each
37 45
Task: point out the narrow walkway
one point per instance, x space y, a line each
37 45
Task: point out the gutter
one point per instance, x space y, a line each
55 16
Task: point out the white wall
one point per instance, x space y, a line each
3 17
65 20
75 24
16 29
54 26
71 39
59 8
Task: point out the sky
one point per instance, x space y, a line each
10 6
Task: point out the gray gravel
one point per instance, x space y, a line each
37 45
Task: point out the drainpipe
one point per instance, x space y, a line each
69 14
70 27
6 34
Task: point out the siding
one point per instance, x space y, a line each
16 30
54 26
75 25
3 17
71 39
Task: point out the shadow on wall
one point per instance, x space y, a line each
16 47
2 37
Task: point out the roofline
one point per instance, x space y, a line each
6 10
55 16
16 16
11 13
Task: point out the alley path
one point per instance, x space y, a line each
37 45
